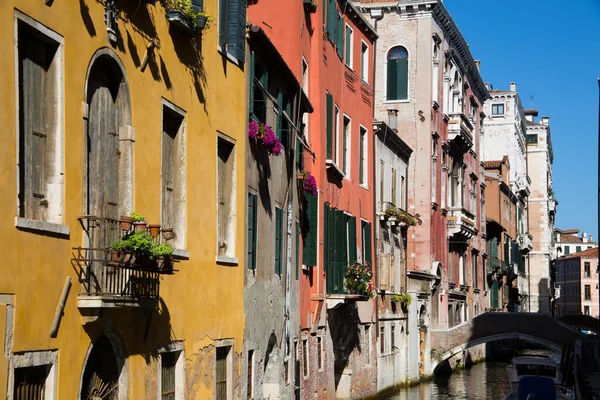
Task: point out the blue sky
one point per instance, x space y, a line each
552 50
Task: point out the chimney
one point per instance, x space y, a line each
584 238
478 64
530 114
513 86
558 237
545 120
591 240
487 85
393 120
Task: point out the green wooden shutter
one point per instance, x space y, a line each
366 234
506 255
494 253
348 47
392 80
297 250
329 124
494 294
278 239
236 29
223 18
340 36
577 249
402 79
352 239
252 222
331 14
326 235
251 95
279 114
310 236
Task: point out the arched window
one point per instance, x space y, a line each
397 74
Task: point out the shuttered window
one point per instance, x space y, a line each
225 197
252 227
310 229
30 383
397 74
37 119
346 138
339 43
362 144
232 27
167 383
349 44
329 125
331 19
352 257
221 384
278 239
366 238
494 294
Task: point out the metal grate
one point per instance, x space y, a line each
167 387
30 383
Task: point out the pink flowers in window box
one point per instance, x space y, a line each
264 134
309 183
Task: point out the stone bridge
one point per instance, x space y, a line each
491 326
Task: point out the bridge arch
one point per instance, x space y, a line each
492 326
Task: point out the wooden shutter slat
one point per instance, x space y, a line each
392 80
236 29
340 36
352 239
367 243
402 66
328 124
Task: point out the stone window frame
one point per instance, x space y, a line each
305 359
229 259
35 359
173 347
55 219
180 210
363 137
408 86
364 61
225 343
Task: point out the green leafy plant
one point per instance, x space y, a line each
402 298
357 278
185 6
137 217
161 250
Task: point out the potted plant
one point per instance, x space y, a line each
126 223
203 21
168 233
154 230
309 183
162 254
404 299
311 5
357 279
139 222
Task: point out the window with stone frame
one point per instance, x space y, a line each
173 173
397 74
226 194
40 121
223 370
434 157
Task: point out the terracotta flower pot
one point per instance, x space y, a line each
126 223
168 233
140 226
115 256
154 230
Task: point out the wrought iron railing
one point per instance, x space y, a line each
109 274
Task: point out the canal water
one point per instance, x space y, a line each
483 381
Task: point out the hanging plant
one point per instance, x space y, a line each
357 279
264 134
309 183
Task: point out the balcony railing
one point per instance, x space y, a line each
460 131
552 206
525 242
110 278
461 223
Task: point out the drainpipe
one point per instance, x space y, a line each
598 226
60 307
374 162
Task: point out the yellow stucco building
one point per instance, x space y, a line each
111 107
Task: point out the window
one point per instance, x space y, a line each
397 74
305 75
346 140
320 353
473 193
363 154
34 375
331 144
588 292
258 93
40 122
310 229
364 62
497 109
381 339
226 218
232 28
349 46
252 230
367 344
566 250
435 75
173 173
278 240
366 242
393 198
586 310
586 269
223 374
381 182
475 274
172 364
305 369
393 337
336 134
250 375
433 170
402 192
577 249
339 38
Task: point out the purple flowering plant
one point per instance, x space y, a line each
310 184
264 134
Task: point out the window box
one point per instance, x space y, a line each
179 21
